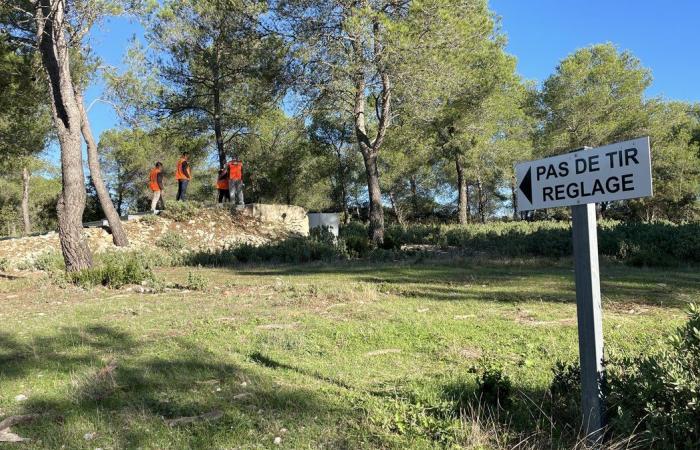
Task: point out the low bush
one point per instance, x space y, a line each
49 261
640 244
149 219
292 250
4 264
196 281
114 270
656 396
171 242
494 388
182 211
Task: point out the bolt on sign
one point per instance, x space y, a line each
581 179
614 172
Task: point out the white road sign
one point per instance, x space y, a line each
613 172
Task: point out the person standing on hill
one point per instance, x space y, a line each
235 181
183 175
222 186
156 185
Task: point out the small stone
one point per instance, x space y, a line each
278 440
89 436
20 398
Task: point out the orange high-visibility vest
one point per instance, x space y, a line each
179 173
153 179
235 170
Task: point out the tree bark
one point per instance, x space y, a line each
414 194
481 201
115 224
397 210
376 211
370 147
25 201
53 47
463 200
514 197
218 128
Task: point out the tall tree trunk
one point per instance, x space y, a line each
463 200
218 128
342 181
397 210
414 193
480 197
115 224
25 201
514 197
376 211
370 147
53 47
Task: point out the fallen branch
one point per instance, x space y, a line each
214 415
16 420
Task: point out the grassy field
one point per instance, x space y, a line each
350 355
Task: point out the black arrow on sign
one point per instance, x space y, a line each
526 185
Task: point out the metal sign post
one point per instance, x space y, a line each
590 319
581 179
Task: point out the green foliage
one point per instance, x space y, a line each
660 394
595 97
171 241
494 388
196 281
565 392
291 250
640 244
655 396
4 265
115 270
182 211
49 261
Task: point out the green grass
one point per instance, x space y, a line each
349 355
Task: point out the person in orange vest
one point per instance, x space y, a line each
183 175
222 186
156 185
235 181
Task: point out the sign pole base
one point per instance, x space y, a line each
590 320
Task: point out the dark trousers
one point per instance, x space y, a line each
181 190
224 194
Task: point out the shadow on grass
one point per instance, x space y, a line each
127 405
539 280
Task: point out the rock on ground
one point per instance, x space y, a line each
211 230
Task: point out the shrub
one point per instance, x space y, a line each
171 241
565 391
49 261
114 270
640 244
494 388
149 219
291 250
182 211
196 281
657 395
4 264
660 394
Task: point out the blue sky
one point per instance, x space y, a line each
663 35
